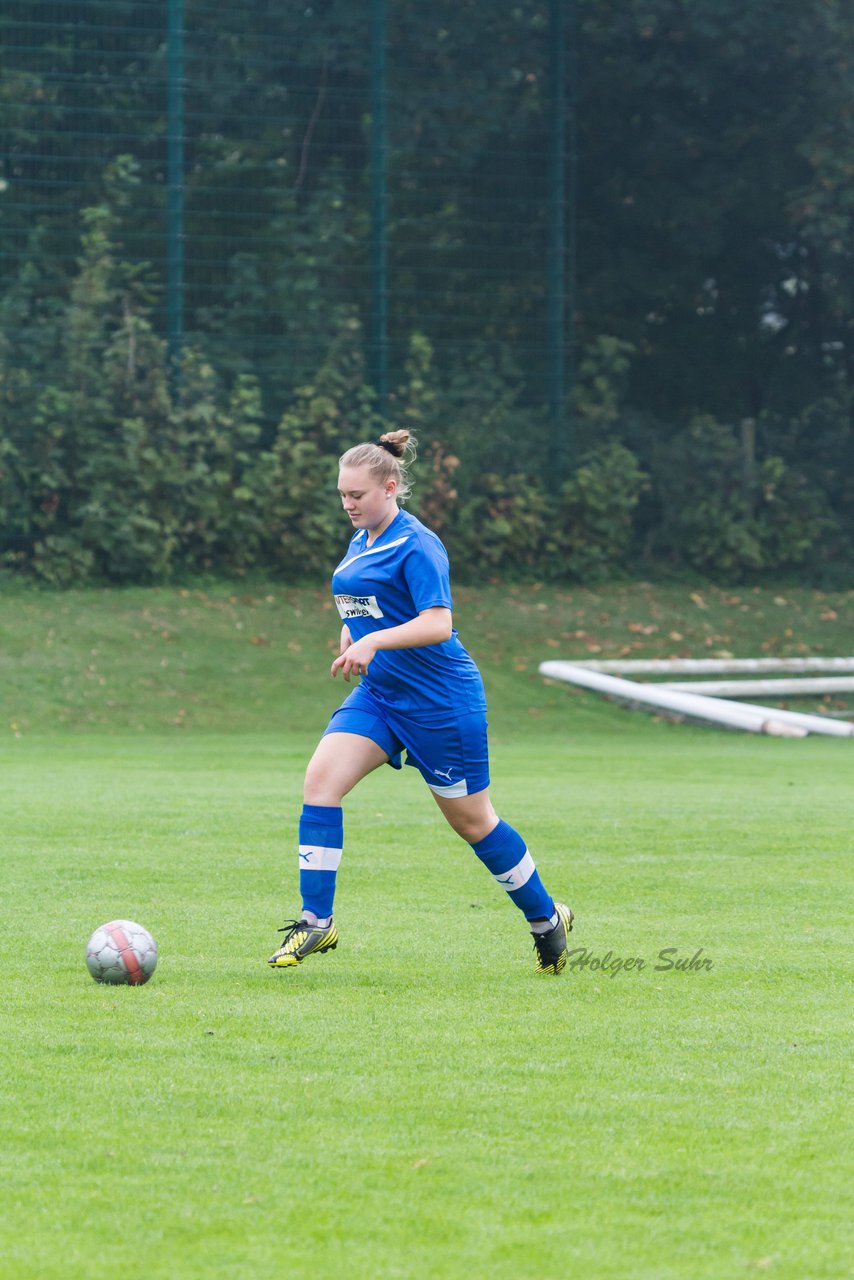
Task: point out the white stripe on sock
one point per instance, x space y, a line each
317 857
518 875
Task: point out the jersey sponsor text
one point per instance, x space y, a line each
358 607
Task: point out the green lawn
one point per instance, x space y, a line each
418 1103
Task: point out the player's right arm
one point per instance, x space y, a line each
346 638
432 626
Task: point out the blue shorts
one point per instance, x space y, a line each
452 758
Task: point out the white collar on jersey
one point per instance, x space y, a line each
370 551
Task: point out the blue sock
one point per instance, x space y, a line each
504 853
321 839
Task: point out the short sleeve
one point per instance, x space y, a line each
427 575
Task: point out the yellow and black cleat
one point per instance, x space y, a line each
551 947
303 939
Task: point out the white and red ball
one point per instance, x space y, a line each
121 952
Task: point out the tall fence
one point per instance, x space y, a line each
220 223
278 171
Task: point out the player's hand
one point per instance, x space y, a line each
355 660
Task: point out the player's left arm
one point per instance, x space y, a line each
432 626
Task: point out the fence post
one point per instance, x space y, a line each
378 362
557 292
175 193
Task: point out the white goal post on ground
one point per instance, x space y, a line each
804 686
699 706
712 666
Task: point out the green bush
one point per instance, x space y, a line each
497 527
513 526
221 476
591 530
725 513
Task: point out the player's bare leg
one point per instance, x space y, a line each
340 760
472 817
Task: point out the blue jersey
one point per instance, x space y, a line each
403 572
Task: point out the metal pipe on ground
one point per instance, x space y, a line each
712 666
798 688
734 715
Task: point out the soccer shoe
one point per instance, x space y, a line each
551 947
303 939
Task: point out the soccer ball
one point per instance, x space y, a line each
121 952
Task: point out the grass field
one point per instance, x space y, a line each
419 1103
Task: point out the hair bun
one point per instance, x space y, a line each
395 442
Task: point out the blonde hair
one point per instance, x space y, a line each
387 458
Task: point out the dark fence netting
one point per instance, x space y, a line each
238 237
278 221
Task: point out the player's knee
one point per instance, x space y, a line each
472 827
319 787
469 831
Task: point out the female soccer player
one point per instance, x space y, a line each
420 691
